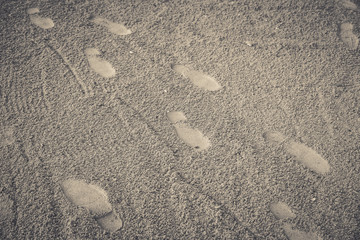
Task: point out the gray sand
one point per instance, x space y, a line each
96 121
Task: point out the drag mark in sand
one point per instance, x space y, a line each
348 37
198 78
116 28
281 210
99 65
301 152
294 234
324 112
44 23
94 199
72 70
192 137
43 89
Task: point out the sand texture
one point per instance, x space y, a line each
209 119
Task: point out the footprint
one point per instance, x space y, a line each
308 157
348 37
100 66
115 28
294 234
44 23
301 152
192 137
175 117
198 78
6 136
281 210
348 4
274 137
94 199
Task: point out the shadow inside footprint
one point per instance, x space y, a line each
192 137
94 199
100 66
44 23
198 78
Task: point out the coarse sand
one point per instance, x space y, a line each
179 119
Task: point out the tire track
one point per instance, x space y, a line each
324 112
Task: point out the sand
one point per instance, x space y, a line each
180 119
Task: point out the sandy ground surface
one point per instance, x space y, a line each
180 119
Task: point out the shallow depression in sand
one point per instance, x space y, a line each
294 234
87 195
281 210
99 65
307 156
116 28
274 137
198 78
302 153
44 23
348 37
348 4
94 199
175 117
192 137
